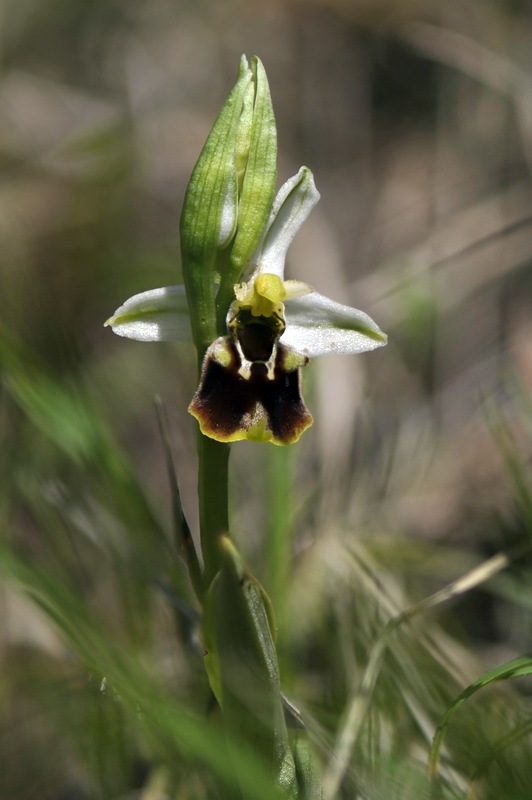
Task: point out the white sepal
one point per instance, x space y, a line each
294 202
317 326
158 315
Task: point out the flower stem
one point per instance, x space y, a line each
213 491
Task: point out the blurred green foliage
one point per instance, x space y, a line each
415 120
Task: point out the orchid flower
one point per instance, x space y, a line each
250 385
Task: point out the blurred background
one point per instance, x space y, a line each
416 119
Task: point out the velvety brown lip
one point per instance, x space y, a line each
228 406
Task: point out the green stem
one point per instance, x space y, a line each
213 491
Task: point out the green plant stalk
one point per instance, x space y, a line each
213 495
213 470
226 206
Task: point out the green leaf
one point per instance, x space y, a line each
308 777
243 664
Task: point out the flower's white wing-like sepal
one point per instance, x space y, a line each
318 326
158 315
294 202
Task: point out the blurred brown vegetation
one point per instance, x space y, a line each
416 119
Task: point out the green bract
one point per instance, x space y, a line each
228 201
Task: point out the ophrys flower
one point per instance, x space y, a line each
250 386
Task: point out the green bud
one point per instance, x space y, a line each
228 201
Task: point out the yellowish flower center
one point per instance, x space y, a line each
263 297
268 295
